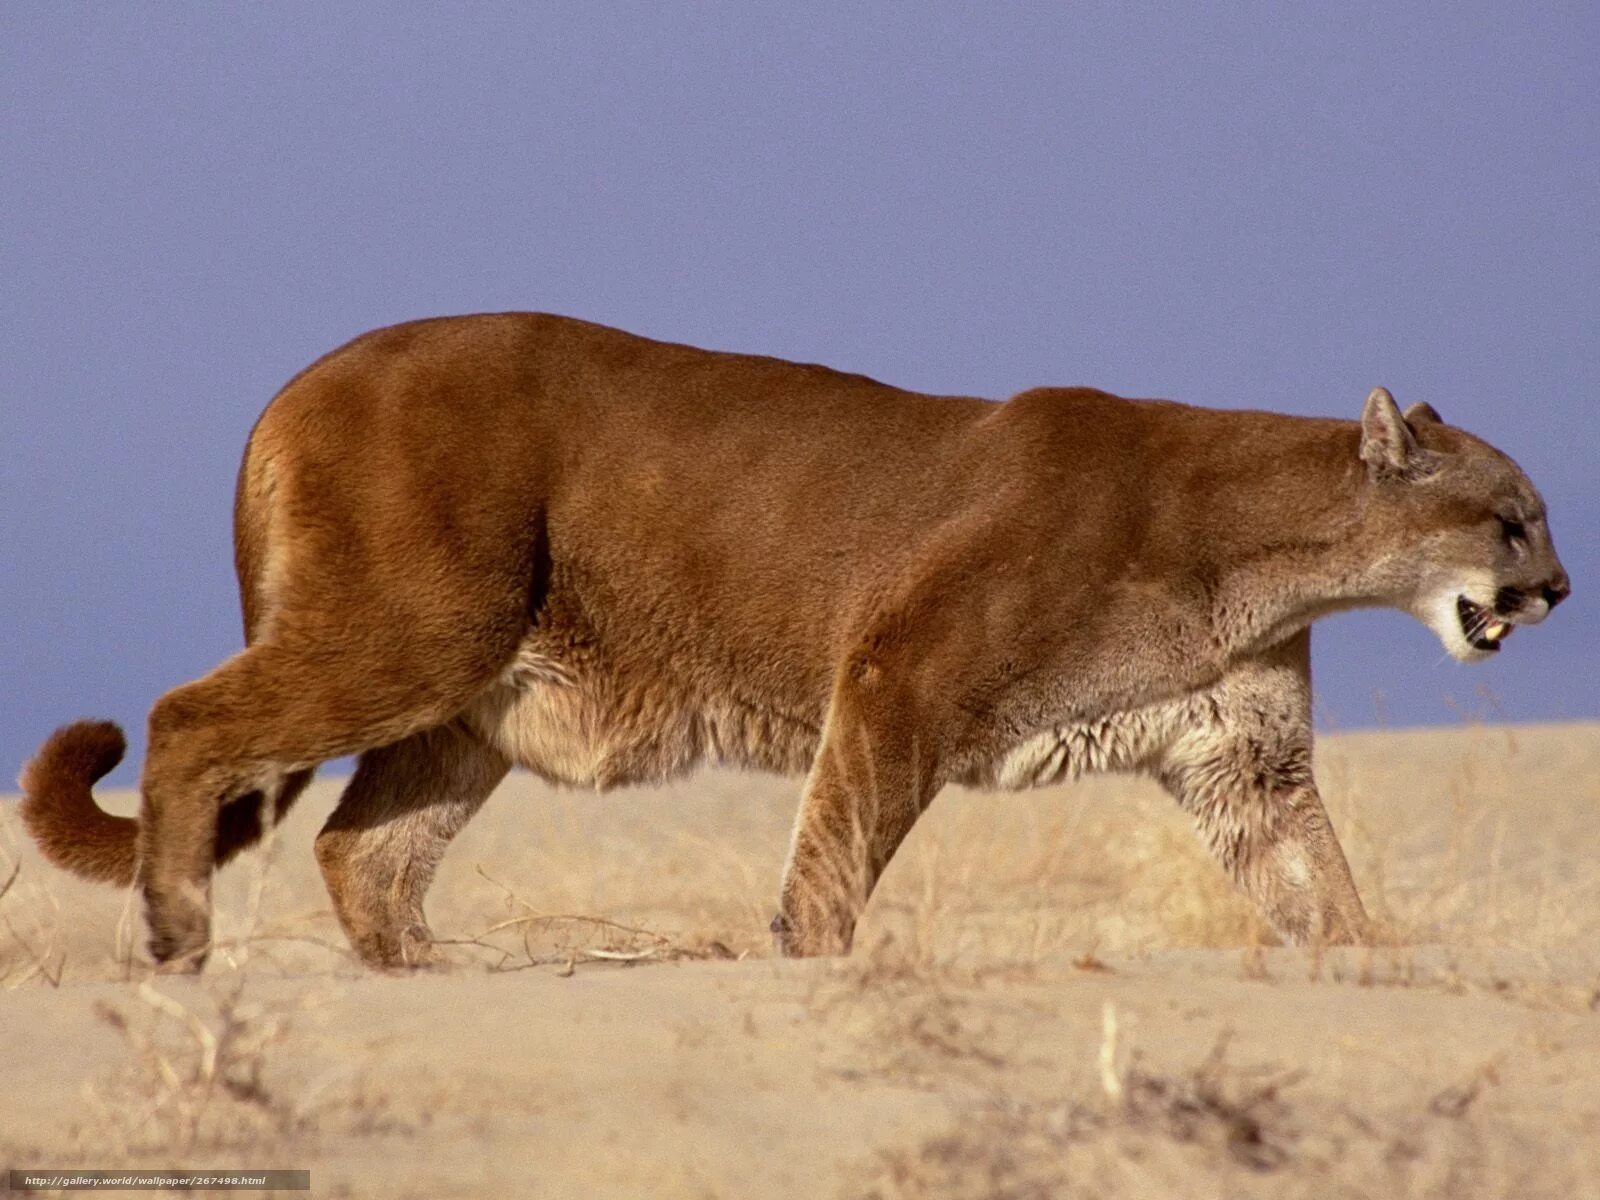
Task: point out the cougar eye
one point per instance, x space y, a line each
1512 530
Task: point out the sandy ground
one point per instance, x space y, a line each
1053 994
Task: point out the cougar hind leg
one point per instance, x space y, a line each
388 573
268 711
379 849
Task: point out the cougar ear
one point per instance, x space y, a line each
1423 414
1388 446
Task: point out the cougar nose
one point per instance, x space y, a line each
1556 592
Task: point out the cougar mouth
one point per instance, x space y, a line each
1480 626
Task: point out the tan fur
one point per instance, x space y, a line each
474 542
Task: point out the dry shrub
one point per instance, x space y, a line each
904 1017
1215 1129
531 938
199 1078
190 1083
1039 1151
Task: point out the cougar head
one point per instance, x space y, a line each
1466 544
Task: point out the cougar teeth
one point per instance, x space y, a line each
1496 631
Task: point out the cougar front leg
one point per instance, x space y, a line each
1244 774
1282 852
874 774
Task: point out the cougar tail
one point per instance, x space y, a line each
58 805
76 834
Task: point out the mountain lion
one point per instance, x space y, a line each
474 542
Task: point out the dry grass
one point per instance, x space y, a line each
901 1016
193 1083
683 887
531 938
1215 1128
30 918
1027 1013
189 1083
215 1074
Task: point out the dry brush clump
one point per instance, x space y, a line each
529 937
224 1072
1218 1129
899 1015
202 1055
193 1082
189 1082
1041 1150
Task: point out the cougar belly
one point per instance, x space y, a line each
589 725
1131 740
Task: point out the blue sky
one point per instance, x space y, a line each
1252 205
